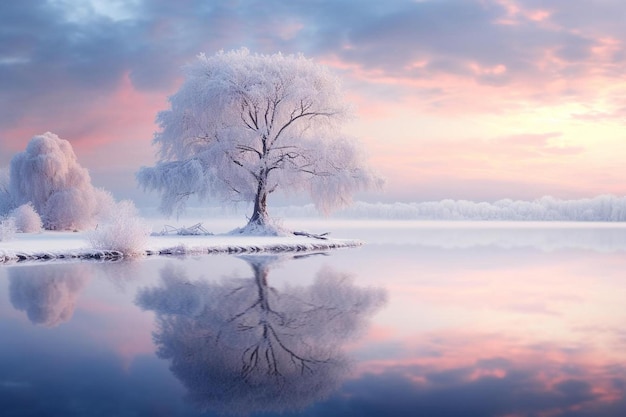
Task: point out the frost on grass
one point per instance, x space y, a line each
27 219
122 231
194 230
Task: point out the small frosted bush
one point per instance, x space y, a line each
7 228
27 220
105 205
124 231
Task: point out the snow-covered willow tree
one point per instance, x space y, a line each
243 126
48 176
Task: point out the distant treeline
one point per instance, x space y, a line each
604 208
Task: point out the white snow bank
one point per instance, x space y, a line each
75 245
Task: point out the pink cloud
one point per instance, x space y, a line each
597 116
124 115
517 14
555 64
111 136
517 166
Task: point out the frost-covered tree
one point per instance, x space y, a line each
243 126
48 176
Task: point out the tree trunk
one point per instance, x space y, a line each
259 215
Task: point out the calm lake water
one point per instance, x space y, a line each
427 319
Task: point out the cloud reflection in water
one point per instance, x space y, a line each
474 380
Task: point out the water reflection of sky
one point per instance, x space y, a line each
479 329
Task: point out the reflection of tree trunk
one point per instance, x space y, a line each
242 346
259 215
269 349
260 277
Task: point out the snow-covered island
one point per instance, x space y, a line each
53 245
241 127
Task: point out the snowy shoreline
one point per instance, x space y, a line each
45 246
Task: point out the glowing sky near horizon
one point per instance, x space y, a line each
461 99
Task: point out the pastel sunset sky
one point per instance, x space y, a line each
461 99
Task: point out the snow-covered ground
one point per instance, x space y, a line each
75 245
547 236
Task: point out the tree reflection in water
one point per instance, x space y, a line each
241 345
47 293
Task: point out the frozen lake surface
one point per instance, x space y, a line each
433 319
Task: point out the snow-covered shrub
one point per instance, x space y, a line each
105 204
123 231
27 219
7 228
48 175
